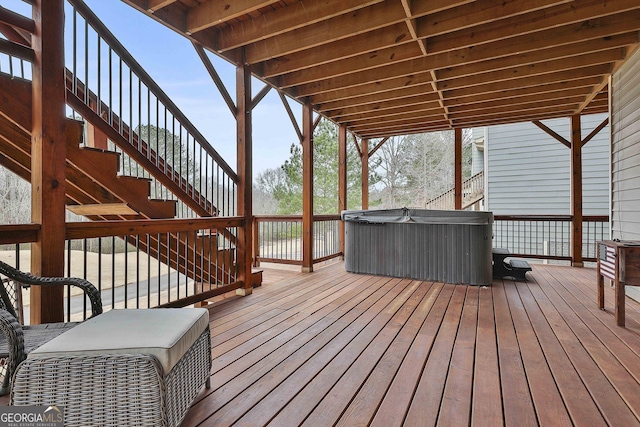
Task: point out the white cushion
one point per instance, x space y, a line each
166 333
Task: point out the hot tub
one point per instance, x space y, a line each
442 246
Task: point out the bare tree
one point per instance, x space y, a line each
15 194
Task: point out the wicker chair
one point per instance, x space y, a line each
17 340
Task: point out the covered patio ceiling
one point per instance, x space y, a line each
395 67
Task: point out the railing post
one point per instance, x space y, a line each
256 241
457 199
307 187
576 192
48 158
245 176
342 180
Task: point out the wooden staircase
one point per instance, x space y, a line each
96 190
94 187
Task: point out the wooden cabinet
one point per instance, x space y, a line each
618 261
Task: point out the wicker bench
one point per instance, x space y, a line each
123 368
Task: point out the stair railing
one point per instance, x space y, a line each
108 80
472 191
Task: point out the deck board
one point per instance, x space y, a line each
334 348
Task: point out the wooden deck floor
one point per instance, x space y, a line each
334 348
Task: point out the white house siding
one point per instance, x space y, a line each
625 151
529 171
625 155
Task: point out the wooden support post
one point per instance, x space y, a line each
307 187
48 158
576 192
365 173
342 179
458 169
245 176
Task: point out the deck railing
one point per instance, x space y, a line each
278 238
547 236
139 264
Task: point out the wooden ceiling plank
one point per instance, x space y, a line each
387 17
390 72
540 56
477 13
214 12
362 44
385 105
508 108
545 39
428 109
380 74
558 16
421 90
409 130
411 114
292 17
563 76
373 88
542 68
530 92
493 103
155 5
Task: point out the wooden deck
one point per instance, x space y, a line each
334 348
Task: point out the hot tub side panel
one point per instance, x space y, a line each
450 253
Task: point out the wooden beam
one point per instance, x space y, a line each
357 25
439 61
309 69
365 173
342 180
216 78
292 116
358 149
307 187
378 145
287 19
367 89
155 5
457 175
424 91
537 69
213 12
48 158
596 131
552 133
244 131
576 192
16 20
16 36
526 82
16 49
260 96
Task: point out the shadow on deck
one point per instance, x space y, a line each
334 348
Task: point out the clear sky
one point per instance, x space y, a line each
173 63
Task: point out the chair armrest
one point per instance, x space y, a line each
12 330
28 279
